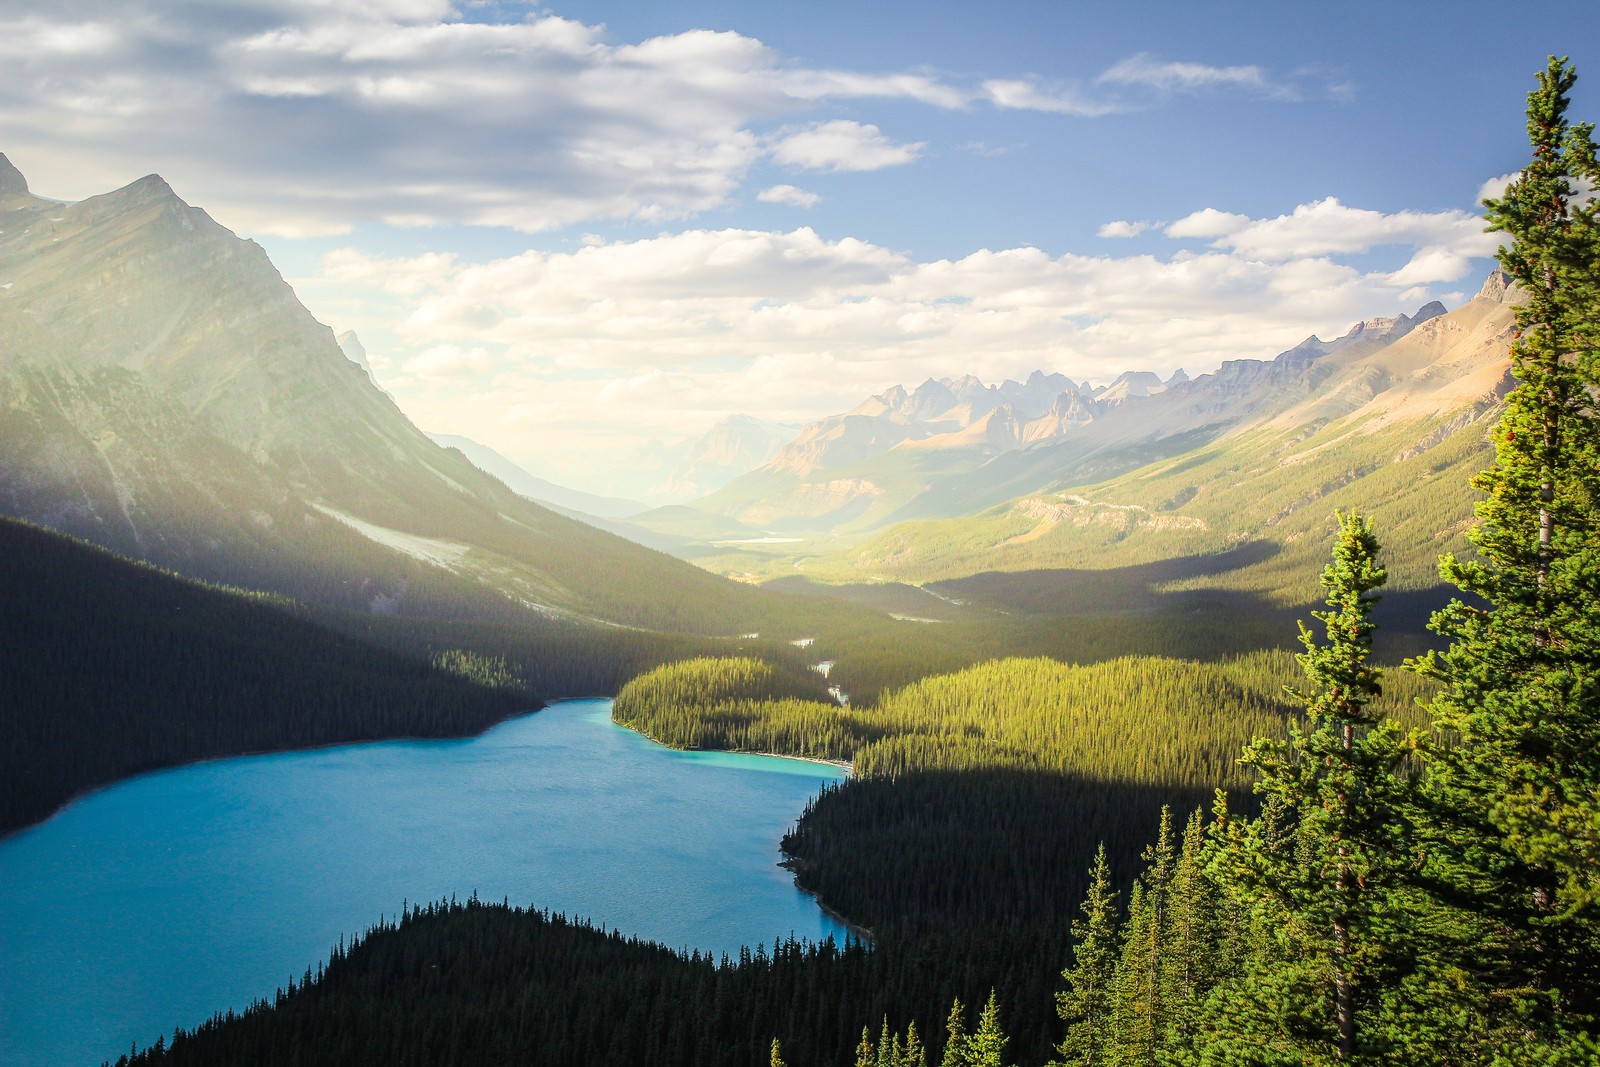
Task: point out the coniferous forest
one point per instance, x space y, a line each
1255 857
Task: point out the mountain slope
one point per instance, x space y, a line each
109 668
1395 429
535 488
955 446
737 444
163 393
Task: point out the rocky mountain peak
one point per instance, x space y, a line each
1131 385
12 183
150 187
1496 286
354 350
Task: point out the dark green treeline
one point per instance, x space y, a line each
973 791
111 668
486 985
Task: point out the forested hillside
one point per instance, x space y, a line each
475 983
111 668
952 771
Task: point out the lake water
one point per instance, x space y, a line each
161 900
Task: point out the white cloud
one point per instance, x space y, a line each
300 117
1144 77
629 340
1208 222
444 363
1432 265
405 277
1445 240
304 117
1123 228
1025 95
1495 188
788 194
840 145
1145 70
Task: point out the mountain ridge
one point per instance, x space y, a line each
165 394
959 437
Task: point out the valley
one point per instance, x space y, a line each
1240 711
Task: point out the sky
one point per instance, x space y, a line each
570 230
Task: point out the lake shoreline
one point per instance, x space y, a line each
793 864
8 833
275 856
847 766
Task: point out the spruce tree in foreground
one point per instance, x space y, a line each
955 1041
1193 936
1086 1004
1515 792
987 1045
1322 870
1140 1007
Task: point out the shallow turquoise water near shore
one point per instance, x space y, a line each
163 899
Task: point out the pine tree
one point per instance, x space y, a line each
915 1054
1328 855
1086 1004
866 1056
955 1042
987 1045
1515 793
1140 1013
1193 936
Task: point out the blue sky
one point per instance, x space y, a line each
568 230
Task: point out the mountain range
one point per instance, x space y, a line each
1239 470
955 446
165 395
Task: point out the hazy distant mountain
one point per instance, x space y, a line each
164 394
1390 419
535 488
671 472
354 351
734 446
955 446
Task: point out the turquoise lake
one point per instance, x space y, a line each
163 899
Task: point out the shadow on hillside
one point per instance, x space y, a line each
1126 610
1097 592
